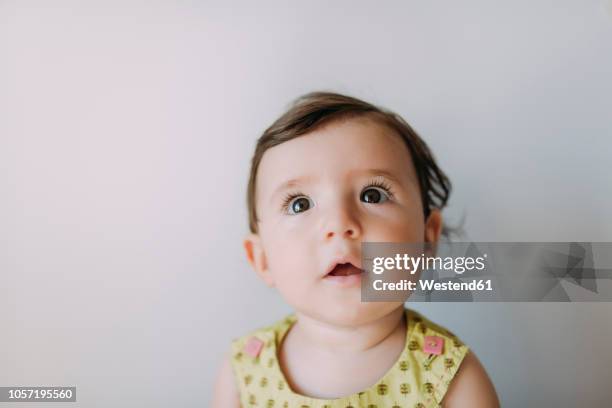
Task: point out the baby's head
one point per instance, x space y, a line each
331 172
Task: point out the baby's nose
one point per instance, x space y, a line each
342 224
349 233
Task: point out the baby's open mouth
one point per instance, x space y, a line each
345 269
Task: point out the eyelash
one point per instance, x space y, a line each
374 183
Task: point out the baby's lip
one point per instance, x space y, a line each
345 259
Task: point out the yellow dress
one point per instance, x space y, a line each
418 379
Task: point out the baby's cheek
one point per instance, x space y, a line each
288 262
397 230
295 284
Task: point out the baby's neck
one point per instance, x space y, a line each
337 339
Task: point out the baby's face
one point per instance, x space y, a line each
318 197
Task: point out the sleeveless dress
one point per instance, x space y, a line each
418 379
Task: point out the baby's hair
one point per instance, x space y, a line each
312 110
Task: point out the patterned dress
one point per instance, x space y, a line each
418 379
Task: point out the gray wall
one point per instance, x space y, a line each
125 134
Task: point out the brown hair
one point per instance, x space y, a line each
314 109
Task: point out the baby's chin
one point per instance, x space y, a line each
352 314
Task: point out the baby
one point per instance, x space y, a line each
330 173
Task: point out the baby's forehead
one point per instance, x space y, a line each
337 151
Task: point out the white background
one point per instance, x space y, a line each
126 130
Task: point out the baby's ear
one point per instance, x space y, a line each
433 226
257 257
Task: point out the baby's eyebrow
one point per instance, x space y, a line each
291 183
295 182
380 172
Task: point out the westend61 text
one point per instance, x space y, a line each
429 285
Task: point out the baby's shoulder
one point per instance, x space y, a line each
261 339
435 354
420 326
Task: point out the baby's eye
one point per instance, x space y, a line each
374 195
298 205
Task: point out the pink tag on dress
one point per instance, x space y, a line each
253 346
433 345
